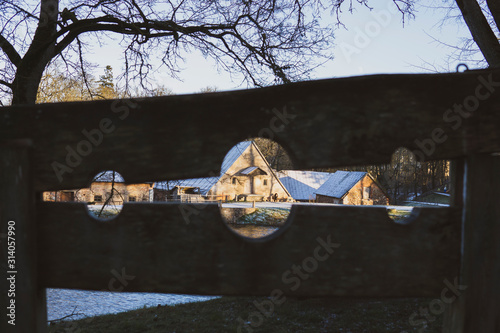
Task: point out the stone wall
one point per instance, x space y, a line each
355 195
231 184
376 196
326 199
126 193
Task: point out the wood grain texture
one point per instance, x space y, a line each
478 307
17 202
201 255
325 123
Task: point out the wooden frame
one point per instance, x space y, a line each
326 123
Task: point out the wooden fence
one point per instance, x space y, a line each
183 248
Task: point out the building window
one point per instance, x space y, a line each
234 180
265 182
98 198
131 199
366 193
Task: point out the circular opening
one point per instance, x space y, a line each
254 201
398 178
106 195
410 183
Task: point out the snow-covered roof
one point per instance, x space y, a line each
107 177
251 169
340 183
302 184
233 154
204 184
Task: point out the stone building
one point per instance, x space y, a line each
245 175
303 184
101 188
351 188
340 187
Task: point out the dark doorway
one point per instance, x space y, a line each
67 196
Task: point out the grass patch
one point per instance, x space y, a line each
398 215
294 315
108 212
273 217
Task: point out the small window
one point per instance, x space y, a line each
131 199
98 198
265 182
366 193
234 180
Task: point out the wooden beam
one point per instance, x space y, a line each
185 248
477 307
22 299
325 123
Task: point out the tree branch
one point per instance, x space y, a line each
21 10
112 24
5 83
74 313
481 31
82 69
494 6
10 51
256 38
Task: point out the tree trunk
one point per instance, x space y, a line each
40 53
481 31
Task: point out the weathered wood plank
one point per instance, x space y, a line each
457 172
477 308
159 250
326 123
22 300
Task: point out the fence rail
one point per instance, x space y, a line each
325 123
185 248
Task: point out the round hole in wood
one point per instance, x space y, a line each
107 193
411 183
254 202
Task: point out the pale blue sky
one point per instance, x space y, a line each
375 42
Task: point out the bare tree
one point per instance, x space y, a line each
483 20
57 85
276 156
481 49
112 194
267 41
260 39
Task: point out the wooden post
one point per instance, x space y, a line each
20 290
477 308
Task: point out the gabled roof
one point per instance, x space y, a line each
340 183
205 184
233 154
302 184
250 170
107 177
